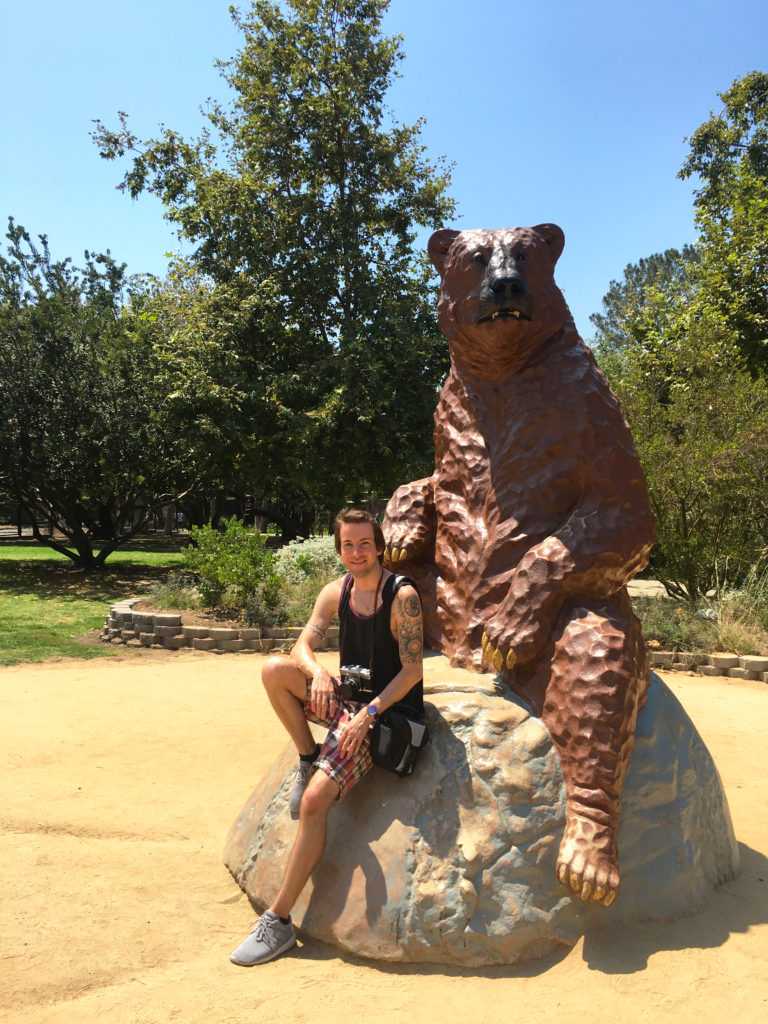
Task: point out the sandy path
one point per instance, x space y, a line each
119 782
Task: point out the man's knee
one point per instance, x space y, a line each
279 671
319 796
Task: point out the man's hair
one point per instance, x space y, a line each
358 515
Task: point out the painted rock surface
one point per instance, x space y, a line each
456 864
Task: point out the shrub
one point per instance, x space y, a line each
743 613
740 634
300 600
177 591
305 566
234 566
314 559
266 607
675 626
738 622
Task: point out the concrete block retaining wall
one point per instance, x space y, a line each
164 629
746 666
130 628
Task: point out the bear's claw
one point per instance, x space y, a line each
493 656
394 555
588 862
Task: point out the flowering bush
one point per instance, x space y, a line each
314 559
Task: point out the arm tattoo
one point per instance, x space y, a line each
410 638
316 629
411 642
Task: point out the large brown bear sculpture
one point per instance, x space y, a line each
536 517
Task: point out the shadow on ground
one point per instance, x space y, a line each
62 581
735 908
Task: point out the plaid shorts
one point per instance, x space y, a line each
345 771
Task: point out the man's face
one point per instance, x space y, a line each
358 548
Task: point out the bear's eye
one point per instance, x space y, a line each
479 258
520 257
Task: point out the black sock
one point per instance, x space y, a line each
284 920
309 758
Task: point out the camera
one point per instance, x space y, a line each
354 680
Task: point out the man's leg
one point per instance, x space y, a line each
273 933
310 842
286 687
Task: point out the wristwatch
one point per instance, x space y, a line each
372 710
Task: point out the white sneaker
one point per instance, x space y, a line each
304 773
269 938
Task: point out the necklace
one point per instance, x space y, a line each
362 608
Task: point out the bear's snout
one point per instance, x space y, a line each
505 290
505 279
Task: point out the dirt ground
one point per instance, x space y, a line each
120 779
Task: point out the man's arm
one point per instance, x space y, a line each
323 694
406 625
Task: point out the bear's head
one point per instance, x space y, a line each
498 299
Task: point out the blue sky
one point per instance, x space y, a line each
572 111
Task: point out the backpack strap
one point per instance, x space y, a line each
346 590
401 581
404 581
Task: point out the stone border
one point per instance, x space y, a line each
128 628
746 666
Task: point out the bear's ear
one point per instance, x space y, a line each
553 236
438 247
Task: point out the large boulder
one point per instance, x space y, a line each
456 864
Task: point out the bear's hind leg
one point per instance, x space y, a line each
598 682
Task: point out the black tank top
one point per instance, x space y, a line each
363 636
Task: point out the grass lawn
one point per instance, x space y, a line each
45 603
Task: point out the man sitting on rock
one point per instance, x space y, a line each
380 629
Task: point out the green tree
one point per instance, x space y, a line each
199 371
303 203
82 446
684 341
700 424
630 306
729 154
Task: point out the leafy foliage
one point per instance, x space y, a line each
199 373
82 443
735 620
684 341
303 208
313 558
175 591
729 154
700 424
233 565
671 626
630 306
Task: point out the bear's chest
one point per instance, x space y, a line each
515 467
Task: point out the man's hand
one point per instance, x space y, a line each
354 730
322 695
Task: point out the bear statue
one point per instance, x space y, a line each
537 515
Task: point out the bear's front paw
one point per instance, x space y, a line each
497 657
409 523
404 545
514 637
